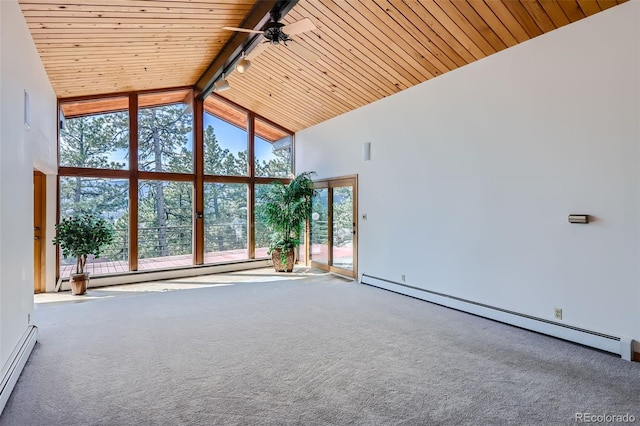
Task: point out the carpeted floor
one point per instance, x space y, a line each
254 349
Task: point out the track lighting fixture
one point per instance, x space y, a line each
243 64
222 84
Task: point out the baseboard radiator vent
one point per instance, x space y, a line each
605 342
16 363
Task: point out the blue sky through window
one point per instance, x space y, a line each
228 135
235 139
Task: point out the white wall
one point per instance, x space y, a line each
21 150
473 175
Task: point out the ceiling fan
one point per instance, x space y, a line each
276 32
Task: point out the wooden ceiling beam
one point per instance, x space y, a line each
239 42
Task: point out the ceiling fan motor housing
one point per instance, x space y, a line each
274 34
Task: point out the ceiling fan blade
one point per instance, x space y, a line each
244 30
299 27
257 50
303 51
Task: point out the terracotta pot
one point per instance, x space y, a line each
290 255
78 283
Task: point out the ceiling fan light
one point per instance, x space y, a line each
243 65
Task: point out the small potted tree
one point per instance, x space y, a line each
285 208
79 236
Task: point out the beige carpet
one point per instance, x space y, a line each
256 349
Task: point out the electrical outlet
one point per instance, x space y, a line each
403 277
558 313
28 318
364 216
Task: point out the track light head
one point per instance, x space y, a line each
221 85
243 65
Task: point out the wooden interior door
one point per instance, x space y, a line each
332 240
39 203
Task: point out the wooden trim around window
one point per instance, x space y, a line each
198 196
166 176
226 179
133 182
330 226
98 173
251 191
57 194
270 180
330 184
122 94
356 227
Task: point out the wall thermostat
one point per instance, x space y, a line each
578 218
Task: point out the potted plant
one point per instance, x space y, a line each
285 208
79 236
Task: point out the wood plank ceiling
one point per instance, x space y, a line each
92 47
361 51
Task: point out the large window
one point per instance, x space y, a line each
96 140
165 137
108 198
274 156
151 187
225 139
319 251
164 224
261 232
225 222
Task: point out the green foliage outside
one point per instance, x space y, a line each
89 141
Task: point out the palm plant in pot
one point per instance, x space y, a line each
285 208
79 236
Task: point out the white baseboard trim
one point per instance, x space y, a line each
617 345
16 363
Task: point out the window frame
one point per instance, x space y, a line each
197 178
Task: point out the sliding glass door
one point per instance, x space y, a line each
333 226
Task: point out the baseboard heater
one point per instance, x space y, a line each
605 342
16 363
